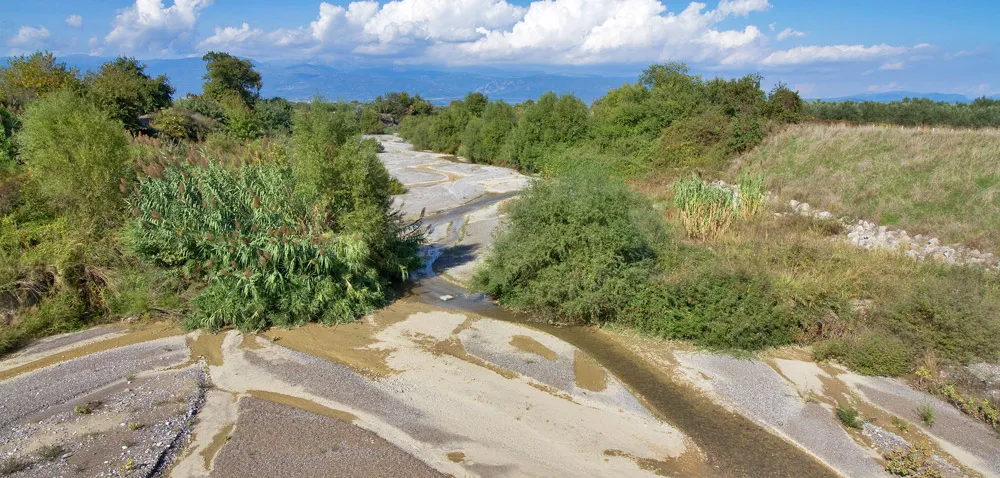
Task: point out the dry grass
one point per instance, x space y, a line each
942 182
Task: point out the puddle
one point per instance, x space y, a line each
529 345
589 374
207 345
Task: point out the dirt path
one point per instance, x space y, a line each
428 387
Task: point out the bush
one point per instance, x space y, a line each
264 258
878 354
718 309
78 156
175 124
575 249
123 90
705 210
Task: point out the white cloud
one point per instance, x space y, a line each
833 53
896 65
771 26
150 27
28 39
741 7
788 32
74 21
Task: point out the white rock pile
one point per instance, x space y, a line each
868 235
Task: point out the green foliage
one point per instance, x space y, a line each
10 124
203 106
227 76
241 121
78 156
263 256
916 461
275 115
869 353
980 113
705 210
124 91
551 122
926 413
575 250
849 416
174 123
718 308
28 77
484 137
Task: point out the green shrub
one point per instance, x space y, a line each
718 309
878 354
575 249
263 256
174 124
78 156
123 90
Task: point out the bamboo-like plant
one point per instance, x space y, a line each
705 210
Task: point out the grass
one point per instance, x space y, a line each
50 452
12 465
900 424
926 414
850 417
704 210
945 183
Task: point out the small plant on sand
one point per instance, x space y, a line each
926 413
915 461
900 424
129 465
50 452
11 465
81 410
849 416
135 426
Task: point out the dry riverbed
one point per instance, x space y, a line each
432 387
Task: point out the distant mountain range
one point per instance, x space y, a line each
302 81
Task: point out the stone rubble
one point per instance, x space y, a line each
868 235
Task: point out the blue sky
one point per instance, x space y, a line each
822 48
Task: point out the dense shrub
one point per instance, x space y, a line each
483 138
174 123
28 77
9 125
575 249
869 354
124 91
982 112
77 155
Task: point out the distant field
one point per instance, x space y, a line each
942 182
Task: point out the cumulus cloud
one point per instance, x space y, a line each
788 32
896 65
74 21
833 53
576 32
150 27
27 39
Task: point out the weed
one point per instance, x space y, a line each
129 378
849 416
926 414
900 424
705 210
135 426
915 461
81 410
50 452
12 465
129 465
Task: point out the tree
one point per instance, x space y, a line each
76 154
123 90
228 74
28 77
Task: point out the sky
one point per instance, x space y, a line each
821 48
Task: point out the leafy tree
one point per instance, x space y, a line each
241 120
9 125
228 75
78 156
28 77
484 137
475 103
122 88
274 114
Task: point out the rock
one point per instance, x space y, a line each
446 298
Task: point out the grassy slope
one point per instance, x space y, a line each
945 183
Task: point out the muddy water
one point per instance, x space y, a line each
733 444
